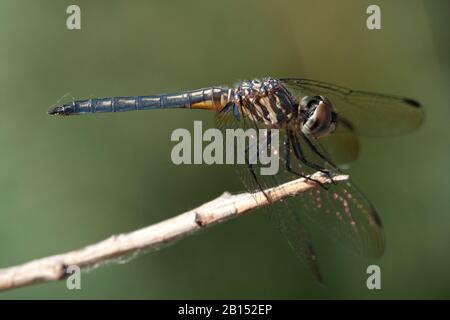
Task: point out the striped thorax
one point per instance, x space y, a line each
266 101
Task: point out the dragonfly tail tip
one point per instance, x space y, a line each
59 110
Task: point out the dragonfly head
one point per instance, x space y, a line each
61 110
317 116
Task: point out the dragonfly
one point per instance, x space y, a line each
318 124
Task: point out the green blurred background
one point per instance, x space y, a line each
68 182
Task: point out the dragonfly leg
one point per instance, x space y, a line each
287 163
316 151
253 173
301 157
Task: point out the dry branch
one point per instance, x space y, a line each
222 208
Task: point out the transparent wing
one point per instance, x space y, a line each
342 145
284 215
369 113
341 210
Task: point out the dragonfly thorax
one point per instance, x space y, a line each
266 101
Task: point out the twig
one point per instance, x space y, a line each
151 237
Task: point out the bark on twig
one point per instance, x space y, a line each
222 208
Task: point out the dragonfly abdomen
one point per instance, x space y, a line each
208 98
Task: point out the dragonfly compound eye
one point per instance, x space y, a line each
318 118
